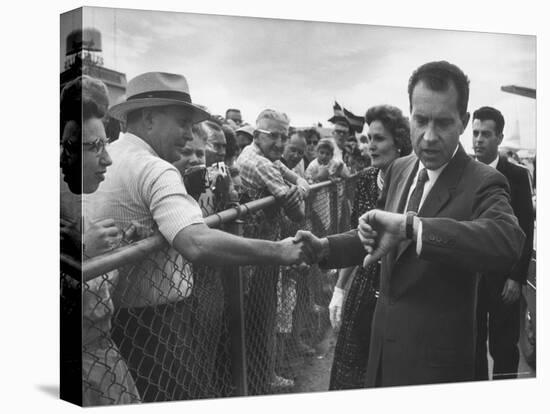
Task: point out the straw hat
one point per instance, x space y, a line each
158 89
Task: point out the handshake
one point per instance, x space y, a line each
378 230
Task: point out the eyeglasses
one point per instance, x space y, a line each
97 146
340 132
274 135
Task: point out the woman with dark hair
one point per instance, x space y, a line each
104 374
232 150
388 138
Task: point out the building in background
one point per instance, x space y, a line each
83 57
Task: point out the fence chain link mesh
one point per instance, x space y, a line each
157 329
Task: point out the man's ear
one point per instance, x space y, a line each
465 119
147 115
500 138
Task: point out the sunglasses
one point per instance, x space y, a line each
274 135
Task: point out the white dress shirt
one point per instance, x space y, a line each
433 175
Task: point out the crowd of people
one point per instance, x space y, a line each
433 267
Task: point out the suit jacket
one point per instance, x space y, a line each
522 204
424 323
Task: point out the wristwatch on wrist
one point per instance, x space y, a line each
409 233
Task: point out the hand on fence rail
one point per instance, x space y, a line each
136 231
101 236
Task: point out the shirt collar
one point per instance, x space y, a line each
134 139
257 150
494 162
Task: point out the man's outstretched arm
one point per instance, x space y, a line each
200 244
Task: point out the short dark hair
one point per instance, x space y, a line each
232 110
488 113
395 122
231 148
326 144
438 77
310 132
83 98
213 126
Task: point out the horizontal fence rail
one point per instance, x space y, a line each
159 328
126 254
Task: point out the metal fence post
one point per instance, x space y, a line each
235 301
334 208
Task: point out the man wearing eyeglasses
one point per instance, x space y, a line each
144 186
340 134
263 174
262 171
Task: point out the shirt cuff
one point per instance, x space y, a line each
419 238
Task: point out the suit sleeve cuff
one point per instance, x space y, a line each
419 238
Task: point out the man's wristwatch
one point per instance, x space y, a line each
325 248
409 221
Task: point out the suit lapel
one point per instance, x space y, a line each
402 193
404 184
445 185
501 165
441 192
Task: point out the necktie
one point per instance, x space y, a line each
416 196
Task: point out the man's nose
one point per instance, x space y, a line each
430 133
187 133
105 158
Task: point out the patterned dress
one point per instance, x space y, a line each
352 346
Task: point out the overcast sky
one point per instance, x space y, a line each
302 67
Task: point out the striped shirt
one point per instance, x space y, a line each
142 187
262 177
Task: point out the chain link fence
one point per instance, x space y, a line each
158 328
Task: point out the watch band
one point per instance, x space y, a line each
409 234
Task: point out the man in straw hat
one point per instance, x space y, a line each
145 187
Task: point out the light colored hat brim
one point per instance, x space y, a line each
120 110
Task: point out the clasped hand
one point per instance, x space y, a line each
378 230
301 250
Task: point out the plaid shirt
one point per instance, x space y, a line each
262 177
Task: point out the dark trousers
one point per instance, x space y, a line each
501 323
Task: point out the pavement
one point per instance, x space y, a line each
315 374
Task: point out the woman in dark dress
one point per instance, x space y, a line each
388 139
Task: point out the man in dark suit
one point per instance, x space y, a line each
498 296
446 218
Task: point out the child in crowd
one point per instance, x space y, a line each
325 167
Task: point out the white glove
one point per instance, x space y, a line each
335 307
